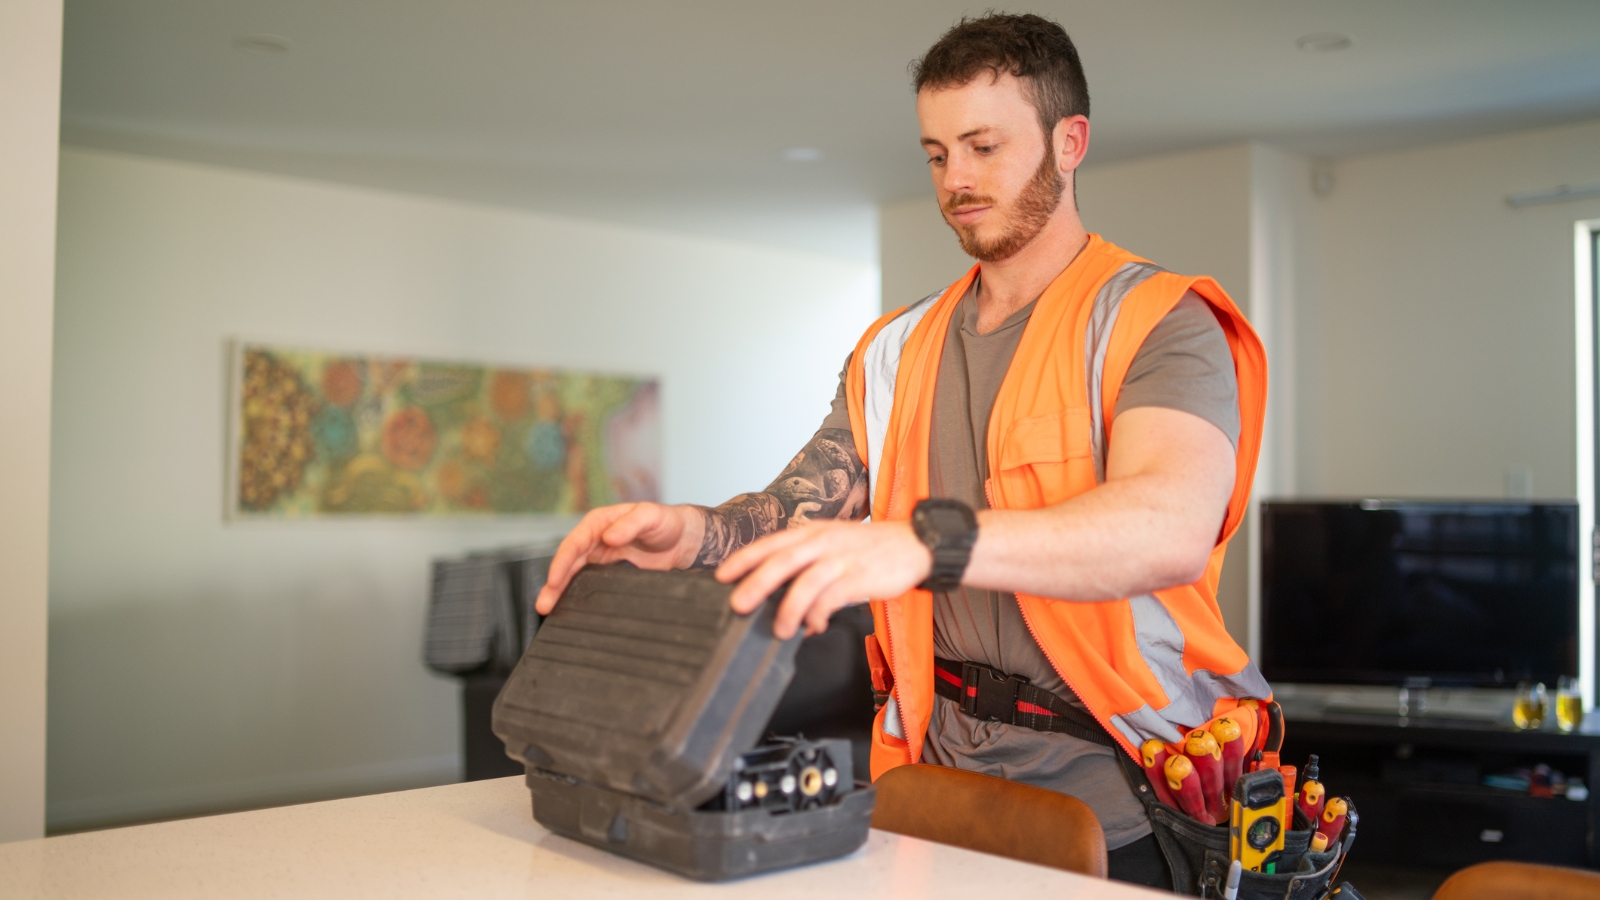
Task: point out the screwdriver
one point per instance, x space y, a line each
1154 754
1312 795
1202 750
1262 726
1332 819
1185 785
1230 737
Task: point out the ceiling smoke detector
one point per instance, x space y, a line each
1324 42
802 154
264 44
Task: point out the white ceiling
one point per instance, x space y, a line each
676 114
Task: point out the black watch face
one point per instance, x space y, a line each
939 524
945 522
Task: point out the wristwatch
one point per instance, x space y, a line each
949 528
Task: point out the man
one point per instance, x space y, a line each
1101 416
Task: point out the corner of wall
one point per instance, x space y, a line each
30 67
1282 286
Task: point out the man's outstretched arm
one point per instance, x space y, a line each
1152 525
825 480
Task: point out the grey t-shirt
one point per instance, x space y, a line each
1184 364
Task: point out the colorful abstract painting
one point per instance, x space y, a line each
327 434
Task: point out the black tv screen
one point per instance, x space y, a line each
1387 592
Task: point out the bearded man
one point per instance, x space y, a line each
1053 453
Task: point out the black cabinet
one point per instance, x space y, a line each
1419 788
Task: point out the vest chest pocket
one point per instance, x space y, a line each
1043 460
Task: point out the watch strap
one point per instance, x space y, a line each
951 547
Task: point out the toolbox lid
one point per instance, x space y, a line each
647 683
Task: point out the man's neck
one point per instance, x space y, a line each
1010 284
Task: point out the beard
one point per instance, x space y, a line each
1027 217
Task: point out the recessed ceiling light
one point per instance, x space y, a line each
1323 42
802 154
265 44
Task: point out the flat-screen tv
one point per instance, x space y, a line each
1396 592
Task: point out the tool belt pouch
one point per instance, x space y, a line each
1199 858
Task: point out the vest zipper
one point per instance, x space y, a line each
1104 723
888 634
988 493
894 689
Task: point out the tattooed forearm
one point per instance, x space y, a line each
738 522
826 480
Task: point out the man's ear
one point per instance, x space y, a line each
1071 142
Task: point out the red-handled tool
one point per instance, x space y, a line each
1311 796
1230 737
1274 743
1202 750
1331 822
1185 786
1154 754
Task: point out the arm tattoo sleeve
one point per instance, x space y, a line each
826 480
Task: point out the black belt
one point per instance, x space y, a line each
992 695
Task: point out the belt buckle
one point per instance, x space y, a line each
989 694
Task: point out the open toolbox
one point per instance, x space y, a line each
638 710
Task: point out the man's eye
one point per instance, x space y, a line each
986 148
935 160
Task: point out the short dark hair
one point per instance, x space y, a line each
1030 47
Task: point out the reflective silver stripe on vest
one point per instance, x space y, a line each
1097 340
881 365
1190 698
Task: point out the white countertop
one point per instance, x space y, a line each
476 840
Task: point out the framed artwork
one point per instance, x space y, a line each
325 434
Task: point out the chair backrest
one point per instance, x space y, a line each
992 815
1519 881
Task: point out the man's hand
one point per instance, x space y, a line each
825 480
833 564
649 535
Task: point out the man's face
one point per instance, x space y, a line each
994 170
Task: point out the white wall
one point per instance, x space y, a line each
30 103
196 664
1190 213
917 251
1284 287
1446 319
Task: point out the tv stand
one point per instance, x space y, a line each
1418 783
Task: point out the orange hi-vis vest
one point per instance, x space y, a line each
1146 667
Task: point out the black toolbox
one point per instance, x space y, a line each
637 710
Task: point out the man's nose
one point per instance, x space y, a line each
957 176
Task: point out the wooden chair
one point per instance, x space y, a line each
1519 881
991 815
